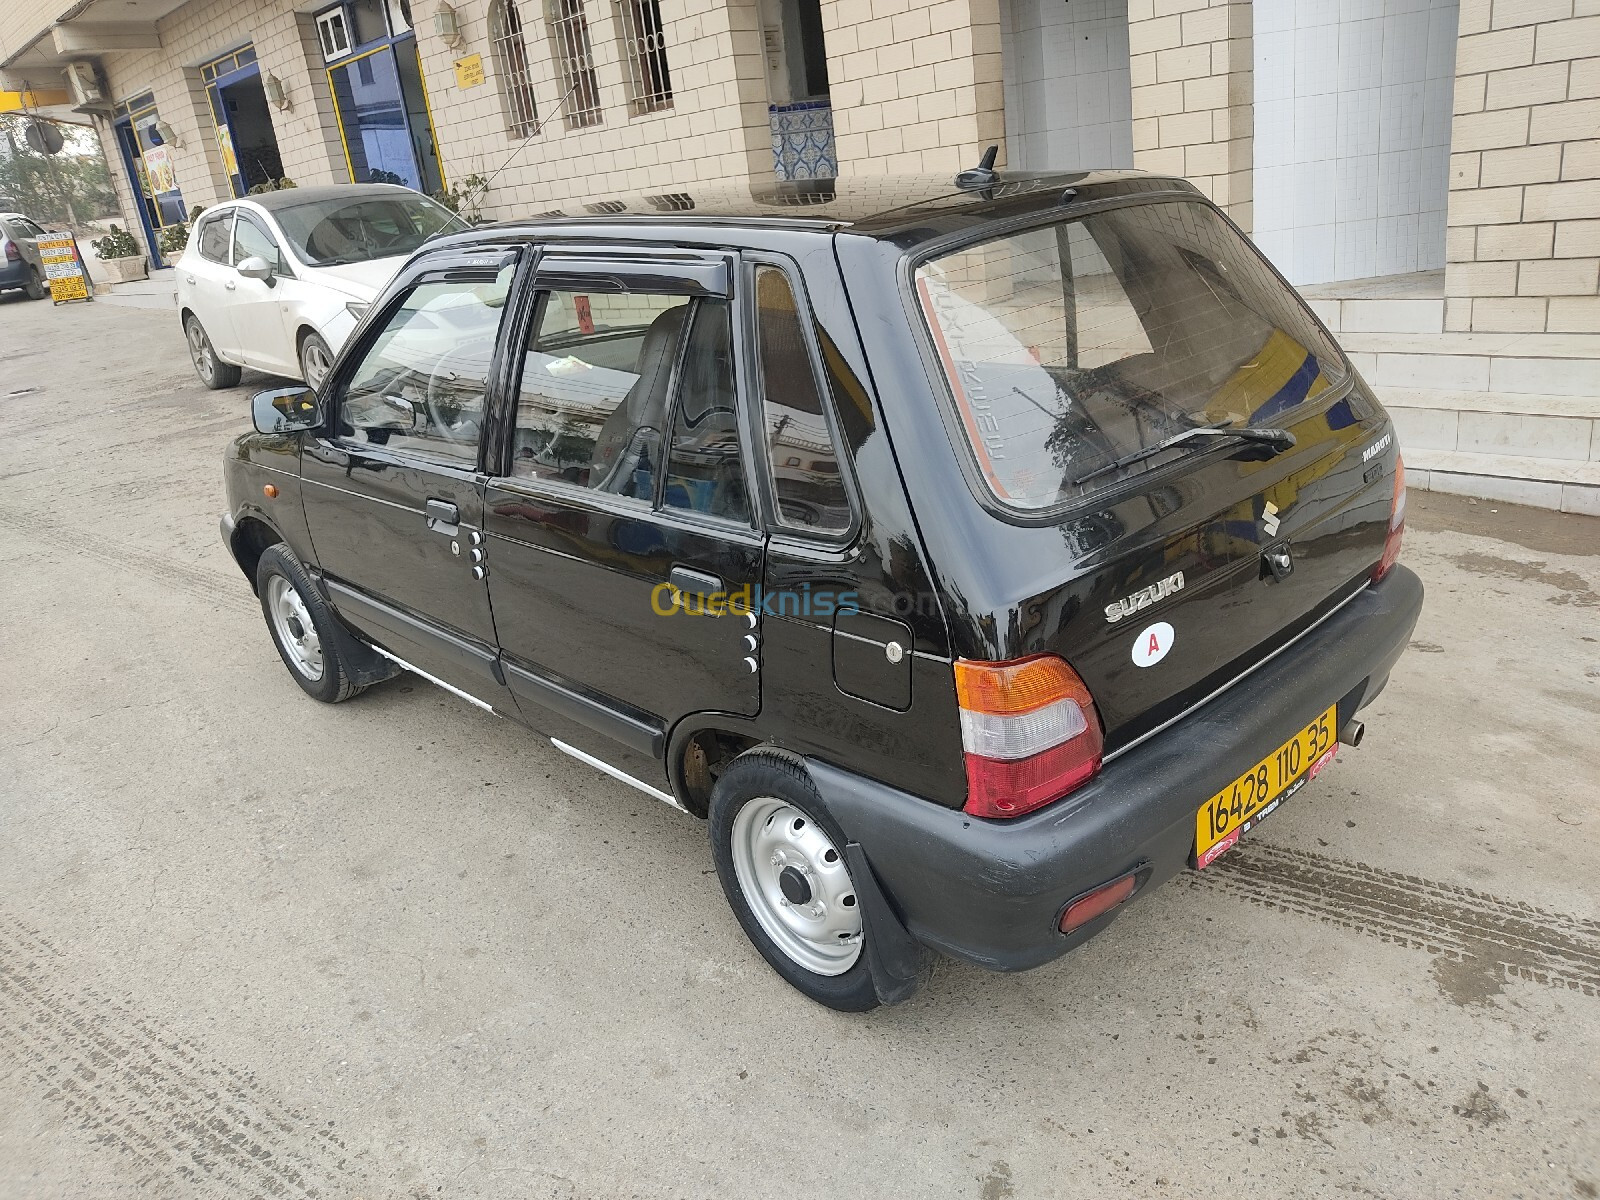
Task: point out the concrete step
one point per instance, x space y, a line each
1564 485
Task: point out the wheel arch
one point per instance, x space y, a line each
252 535
700 746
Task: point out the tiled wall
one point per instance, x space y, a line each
1068 87
1191 68
1352 122
1524 240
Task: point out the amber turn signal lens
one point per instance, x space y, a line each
270 491
1020 686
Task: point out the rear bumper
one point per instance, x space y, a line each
992 892
13 274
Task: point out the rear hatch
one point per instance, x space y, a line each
1073 350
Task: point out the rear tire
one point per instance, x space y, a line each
303 628
781 864
213 372
35 287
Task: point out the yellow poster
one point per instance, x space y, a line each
230 164
469 71
158 165
62 268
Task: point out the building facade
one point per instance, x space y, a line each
1451 147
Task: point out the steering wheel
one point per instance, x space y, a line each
453 412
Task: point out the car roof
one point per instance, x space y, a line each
902 208
289 197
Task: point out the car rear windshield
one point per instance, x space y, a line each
330 233
1071 345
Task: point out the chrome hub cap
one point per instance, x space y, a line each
292 623
795 881
200 350
314 362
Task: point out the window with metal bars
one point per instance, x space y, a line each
569 38
511 68
644 50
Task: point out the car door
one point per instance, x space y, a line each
393 486
206 271
623 486
257 307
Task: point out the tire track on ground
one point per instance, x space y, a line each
182 1123
1521 940
49 534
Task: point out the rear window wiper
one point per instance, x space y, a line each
1278 440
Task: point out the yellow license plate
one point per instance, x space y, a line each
1243 804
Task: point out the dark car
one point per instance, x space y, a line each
973 557
21 268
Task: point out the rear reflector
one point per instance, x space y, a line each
1397 523
1098 902
1029 730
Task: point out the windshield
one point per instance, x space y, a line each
1070 346
329 233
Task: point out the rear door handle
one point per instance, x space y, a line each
694 583
443 517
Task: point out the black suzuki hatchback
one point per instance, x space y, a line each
973 556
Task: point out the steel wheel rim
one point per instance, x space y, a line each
200 350
297 633
771 840
315 364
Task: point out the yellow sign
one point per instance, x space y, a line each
469 71
230 164
63 268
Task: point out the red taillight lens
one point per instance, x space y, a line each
1397 523
1098 902
12 253
1030 732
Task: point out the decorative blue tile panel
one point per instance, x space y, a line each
802 140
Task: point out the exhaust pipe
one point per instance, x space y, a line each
1352 733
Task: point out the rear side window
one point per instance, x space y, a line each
1071 345
805 464
214 237
594 397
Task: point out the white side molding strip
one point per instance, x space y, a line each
435 680
615 773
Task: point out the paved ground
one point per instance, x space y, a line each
252 946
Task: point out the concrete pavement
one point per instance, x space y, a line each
254 946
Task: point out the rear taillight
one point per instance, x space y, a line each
1397 523
12 253
1030 732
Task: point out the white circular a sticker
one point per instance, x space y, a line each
1152 644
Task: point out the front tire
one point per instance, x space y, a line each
316 360
303 628
782 868
213 372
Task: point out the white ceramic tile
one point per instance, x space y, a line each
1492 487
1531 436
1316 127
1360 55
1313 252
1546 376
1272 16
1439 372
1355 249
1358 124
1314 195
1425 428
1316 59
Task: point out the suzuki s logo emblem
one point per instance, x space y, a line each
1269 519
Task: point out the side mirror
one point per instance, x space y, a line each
284 410
255 267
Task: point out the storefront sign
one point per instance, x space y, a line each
63 268
469 71
230 164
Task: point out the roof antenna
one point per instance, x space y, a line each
981 175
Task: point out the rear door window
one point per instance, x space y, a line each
214 234
1070 345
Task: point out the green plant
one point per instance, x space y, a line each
271 185
118 243
173 239
465 198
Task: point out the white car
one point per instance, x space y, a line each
278 281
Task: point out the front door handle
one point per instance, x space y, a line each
230 285
699 584
443 517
